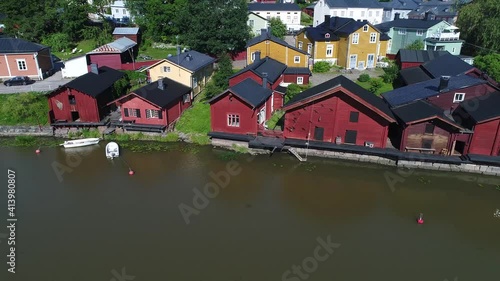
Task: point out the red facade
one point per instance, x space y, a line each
293 78
82 108
110 60
403 65
486 138
337 117
445 100
249 74
231 105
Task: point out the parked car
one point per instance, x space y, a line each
18 80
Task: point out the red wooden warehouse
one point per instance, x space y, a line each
338 111
84 100
482 115
155 106
115 54
241 109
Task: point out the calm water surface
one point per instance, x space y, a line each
99 219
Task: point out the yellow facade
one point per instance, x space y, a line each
360 49
279 52
168 69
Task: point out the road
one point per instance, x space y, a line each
48 84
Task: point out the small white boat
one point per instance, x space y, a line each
112 150
80 142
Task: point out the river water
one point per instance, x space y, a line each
270 216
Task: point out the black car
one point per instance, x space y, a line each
18 80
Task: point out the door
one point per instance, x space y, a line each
262 115
75 115
370 62
361 65
309 48
318 133
350 136
352 61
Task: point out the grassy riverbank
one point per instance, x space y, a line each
195 121
24 109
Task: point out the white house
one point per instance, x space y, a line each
288 13
401 7
119 11
75 67
370 10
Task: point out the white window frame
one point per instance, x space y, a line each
362 14
252 56
370 14
296 59
365 28
152 114
300 45
195 82
351 14
300 80
21 65
327 35
402 31
355 36
309 47
261 116
329 48
456 97
166 69
251 23
420 32
233 120
132 112
373 36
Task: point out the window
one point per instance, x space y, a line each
117 11
351 14
295 18
252 56
427 144
195 82
327 35
166 69
288 18
296 59
420 32
21 65
365 28
362 14
373 37
429 129
300 80
300 45
354 116
452 50
233 120
459 97
309 47
151 113
355 38
251 23
71 99
268 17
132 112
370 13
186 98
329 51
377 13
387 14
334 13
402 31
342 14
124 11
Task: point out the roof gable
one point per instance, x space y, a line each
95 84
483 108
266 36
407 23
16 45
191 60
271 67
358 93
249 91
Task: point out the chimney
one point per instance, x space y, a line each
161 86
178 50
257 56
396 16
264 80
94 69
189 57
443 83
263 31
327 21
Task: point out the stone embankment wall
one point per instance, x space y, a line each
26 131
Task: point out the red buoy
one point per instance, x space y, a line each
420 219
37 151
131 172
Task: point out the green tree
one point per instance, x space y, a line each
291 91
217 27
390 73
490 64
375 85
415 45
121 86
74 17
58 41
224 71
479 23
278 28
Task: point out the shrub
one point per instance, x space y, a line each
390 73
375 85
275 118
322 67
364 77
171 137
58 41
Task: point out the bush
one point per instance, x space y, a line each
364 77
390 73
375 85
275 118
58 41
322 67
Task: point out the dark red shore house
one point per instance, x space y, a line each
115 54
338 111
84 100
154 107
241 109
482 116
424 128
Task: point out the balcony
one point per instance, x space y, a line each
445 36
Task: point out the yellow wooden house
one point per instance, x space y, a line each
190 68
277 49
344 42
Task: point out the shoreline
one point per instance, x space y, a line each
33 132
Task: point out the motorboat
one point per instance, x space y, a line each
112 150
80 142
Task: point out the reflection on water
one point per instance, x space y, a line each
266 220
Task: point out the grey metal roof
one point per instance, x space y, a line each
447 64
427 89
250 91
273 7
16 45
407 23
484 108
192 60
271 67
125 30
122 44
95 84
417 110
353 4
400 4
419 55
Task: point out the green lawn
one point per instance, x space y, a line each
385 87
85 45
305 19
24 109
195 120
157 53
